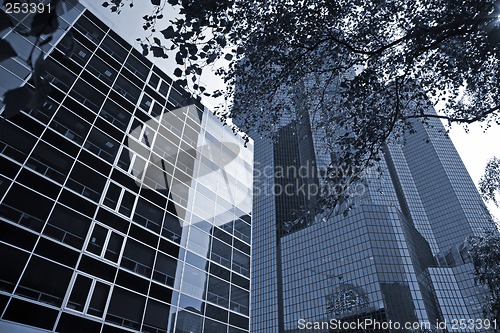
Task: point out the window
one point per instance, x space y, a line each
88 296
130 315
102 238
67 226
138 258
44 281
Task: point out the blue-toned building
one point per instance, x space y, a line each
125 205
399 256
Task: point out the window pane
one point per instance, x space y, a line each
80 293
98 300
114 247
97 240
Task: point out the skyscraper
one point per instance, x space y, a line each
125 205
398 256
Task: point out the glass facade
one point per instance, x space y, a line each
125 205
398 256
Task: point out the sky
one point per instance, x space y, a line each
475 147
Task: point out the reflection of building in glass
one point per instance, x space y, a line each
124 205
398 256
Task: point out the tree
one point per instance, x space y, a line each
485 255
42 20
368 68
489 184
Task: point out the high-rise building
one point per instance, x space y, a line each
398 256
125 205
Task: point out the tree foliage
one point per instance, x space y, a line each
485 254
489 184
43 23
367 67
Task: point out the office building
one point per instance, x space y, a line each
125 205
398 255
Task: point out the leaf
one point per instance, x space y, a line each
157 40
211 58
192 49
173 2
105 4
145 50
169 33
157 51
40 96
46 41
179 59
15 100
6 50
5 21
45 22
155 2
178 72
228 57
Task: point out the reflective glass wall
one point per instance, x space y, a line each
125 205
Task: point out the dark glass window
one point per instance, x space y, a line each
26 207
114 247
101 70
80 293
74 324
153 80
15 142
165 269
115 114
128 90
12 262
241 263
148 215
30 314
38 183
86 182
102 145
138 258
57 252
98 300
87 95
218 291
97 240
44 281
50 162
215 313
239 300
157 317
137 67
126 308
114 49
127 203
221 253
112 195
67 226
89 29
59 76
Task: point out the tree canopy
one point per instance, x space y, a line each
485 254
489 184
367 68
